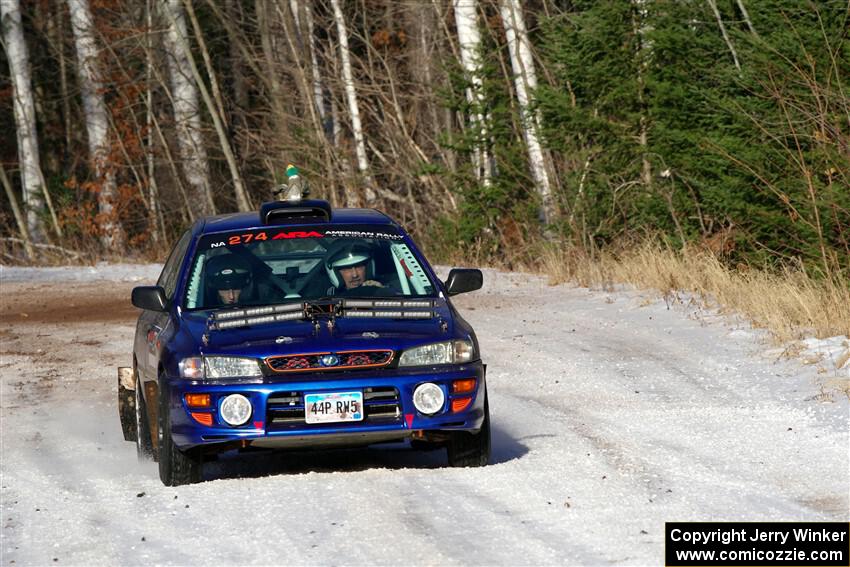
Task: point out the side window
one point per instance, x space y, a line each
171 270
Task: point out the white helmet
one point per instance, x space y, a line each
345 254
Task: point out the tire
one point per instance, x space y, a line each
144 445
175 466
471 449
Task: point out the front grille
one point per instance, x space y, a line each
321 361
285 410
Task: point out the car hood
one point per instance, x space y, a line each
301 337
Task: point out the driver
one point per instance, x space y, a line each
230 277
349 266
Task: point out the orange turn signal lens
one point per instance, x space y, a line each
460 404
463 386
202 418
197 400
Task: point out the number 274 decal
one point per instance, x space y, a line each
250 237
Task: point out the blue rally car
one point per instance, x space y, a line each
302 326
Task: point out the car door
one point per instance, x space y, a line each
153 326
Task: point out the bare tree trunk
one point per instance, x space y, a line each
63 76
179 36
746 16
24 109
96 118
308 90
155 215
300 71
318 89
271 72
423 21
638 18
187 115
469 40
353 107
525 81
205 55
241 101
728 41
16 211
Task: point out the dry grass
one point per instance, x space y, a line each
789 303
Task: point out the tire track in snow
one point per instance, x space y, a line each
583 468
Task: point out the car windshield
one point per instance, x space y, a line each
282 264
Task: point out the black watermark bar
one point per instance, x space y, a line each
763 544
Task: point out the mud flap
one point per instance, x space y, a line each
127 402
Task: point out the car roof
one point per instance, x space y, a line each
251 220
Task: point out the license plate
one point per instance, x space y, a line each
333 407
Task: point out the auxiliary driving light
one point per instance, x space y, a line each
428 398
235 409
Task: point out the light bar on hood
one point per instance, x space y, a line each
385 303
392 314
255 311
245 322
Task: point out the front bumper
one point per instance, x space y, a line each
277 401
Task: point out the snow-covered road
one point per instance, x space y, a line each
611 415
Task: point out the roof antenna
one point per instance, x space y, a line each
295 187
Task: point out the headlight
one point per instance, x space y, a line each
448 352
231 367
197 368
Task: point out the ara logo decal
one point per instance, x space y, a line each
329 360
298 234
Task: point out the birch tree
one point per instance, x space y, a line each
642 53
187 114
746 17
179 35
469 41
525 82
96 119
353 107
16 211
318 89
24 109
726 38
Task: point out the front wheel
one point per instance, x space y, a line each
471 449
175 466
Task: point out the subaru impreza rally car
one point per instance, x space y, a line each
301 326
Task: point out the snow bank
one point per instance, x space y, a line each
101 271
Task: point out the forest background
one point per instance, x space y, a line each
559 135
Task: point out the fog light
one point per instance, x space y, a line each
235 409
428 398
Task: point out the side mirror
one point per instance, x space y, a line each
150 297
461 280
